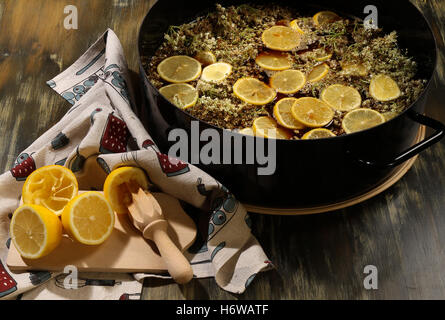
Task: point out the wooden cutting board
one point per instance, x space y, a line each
125 251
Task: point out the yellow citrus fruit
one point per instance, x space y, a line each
357 69
216 72
281 38
283 114
247 131
342 98
179 69
361 119
318 73
120 182
35 231
181 95
322 55
89 218
51 187
312 112
267 127
253 91
319 133
294 25
324 17
205 58
274 60
384 88
288 81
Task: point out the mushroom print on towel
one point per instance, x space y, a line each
23 167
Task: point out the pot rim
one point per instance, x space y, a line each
344 136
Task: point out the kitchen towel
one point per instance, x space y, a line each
101 132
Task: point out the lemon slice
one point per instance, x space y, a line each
288 81
283 114
294 25
179 69
322 55
253 91
89 218
267 127
205 58
312 112
120 182
281 38
361 119
247 131
274 60
384 88
357 69
342 98
35 231
319 133
51 187
181 95
216 72
324 17
318 73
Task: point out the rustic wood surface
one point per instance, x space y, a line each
401 231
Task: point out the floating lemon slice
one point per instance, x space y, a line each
358 69
181 95
216 72
318 73
312 112
179 69
35 231
323 55
294 25
254 91
281 38
89 218
205 58
324 17
384 88
267 127
288 81
247 131
283 114
118 185
361 119
342 98
274 60
51 187
319 133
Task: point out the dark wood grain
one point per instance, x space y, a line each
401 231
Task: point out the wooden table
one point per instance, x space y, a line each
401 231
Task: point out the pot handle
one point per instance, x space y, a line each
415 149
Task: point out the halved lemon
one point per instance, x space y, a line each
181 95
281 38
361 119
247 131
324 17
254 91
384 88
288 81
216 72
205 58
51 187
120 182
319 133
89 218
179 69
274 60
267 127
283 114
35 231
294 25
312 112
318 72
342 98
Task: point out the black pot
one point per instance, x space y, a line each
308 172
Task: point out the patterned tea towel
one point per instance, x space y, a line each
98 134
